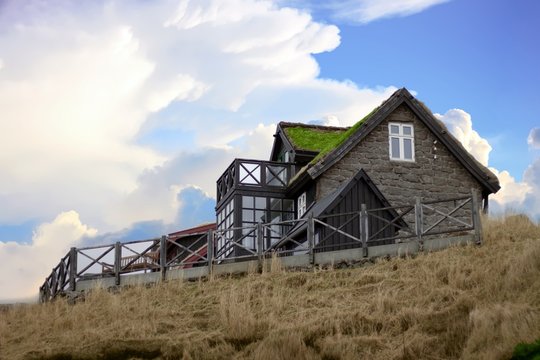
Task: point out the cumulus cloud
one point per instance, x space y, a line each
329 120
534 138
365 11
24 267
459 123
194 207
519 196
531 176
512 193
91 78
516 196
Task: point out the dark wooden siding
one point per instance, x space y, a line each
347 203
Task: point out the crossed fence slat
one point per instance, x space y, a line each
285 237
447 216
143 255
235 242
338 230
94 261
394 222
189 250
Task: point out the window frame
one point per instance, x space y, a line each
401 141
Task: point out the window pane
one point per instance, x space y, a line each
288 205
275 204
247 202
394 148
247 215
407 149
260 203
275 216
407 130
259 215
394 129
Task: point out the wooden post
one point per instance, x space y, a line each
117 261
210 251
47 290
311 237
54 281
72 269
364 229
260 243
163 257
419 223
41 295
476 220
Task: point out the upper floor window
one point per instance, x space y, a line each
302 205
401 139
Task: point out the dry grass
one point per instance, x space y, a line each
464 302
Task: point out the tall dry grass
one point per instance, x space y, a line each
473 302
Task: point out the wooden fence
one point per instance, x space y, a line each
417 222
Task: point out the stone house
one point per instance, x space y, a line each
396 154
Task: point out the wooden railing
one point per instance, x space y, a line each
417 222
243 173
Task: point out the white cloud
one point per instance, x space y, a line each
25 266
516 196
521 197
534 138
365 11
512 193
89 76
459 124
68 117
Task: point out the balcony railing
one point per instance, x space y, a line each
251 174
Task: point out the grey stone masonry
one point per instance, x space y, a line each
434 175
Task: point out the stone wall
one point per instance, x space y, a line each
429 177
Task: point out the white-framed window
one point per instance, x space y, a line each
301 205
401 141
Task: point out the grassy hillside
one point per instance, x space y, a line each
464 302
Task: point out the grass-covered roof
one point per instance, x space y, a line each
313 138
321 139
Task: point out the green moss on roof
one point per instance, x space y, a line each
313 139
343 137
323 141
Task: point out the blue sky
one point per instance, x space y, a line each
118 117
